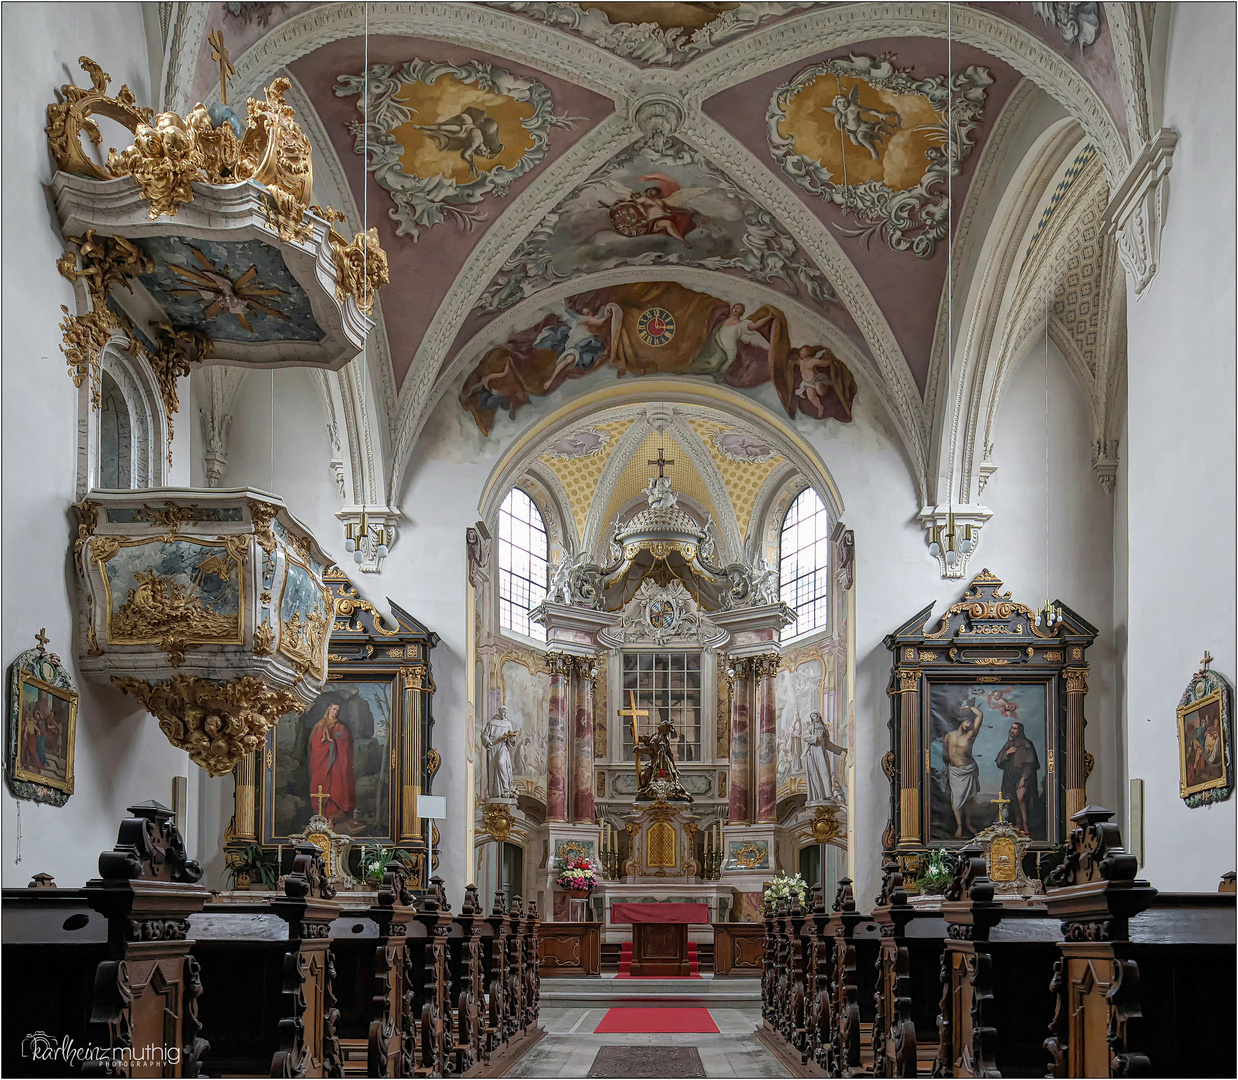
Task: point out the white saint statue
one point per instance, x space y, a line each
497 738
818 768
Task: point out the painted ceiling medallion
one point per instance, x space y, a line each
661 33
742 446
441 137
872 140
588 442
644 208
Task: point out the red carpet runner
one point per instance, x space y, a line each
619 1021
625 963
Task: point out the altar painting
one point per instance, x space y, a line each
987 742
657 328
336 758
527 697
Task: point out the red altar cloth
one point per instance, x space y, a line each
661 914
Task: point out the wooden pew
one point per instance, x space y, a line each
904 1034
1144 984
267 972
104 973
995 975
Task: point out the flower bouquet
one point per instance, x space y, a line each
578 877
783 888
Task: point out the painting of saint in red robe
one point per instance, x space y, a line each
340 746
331 768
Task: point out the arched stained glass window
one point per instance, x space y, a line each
803 562
524 564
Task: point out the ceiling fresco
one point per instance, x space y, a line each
433 192
658 328
888 210
563 188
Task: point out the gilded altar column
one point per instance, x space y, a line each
764 668
559 666
1076 758
738 792
582 741
909 757
244 823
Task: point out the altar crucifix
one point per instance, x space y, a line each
321 797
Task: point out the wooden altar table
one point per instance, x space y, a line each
659 935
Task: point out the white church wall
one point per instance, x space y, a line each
1180 452
121 756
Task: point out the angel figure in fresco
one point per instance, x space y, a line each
998 701
816 374
718 356
665 207
471 134
868 132
583 338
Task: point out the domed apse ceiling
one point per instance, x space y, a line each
583 190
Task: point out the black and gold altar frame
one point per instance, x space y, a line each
985 638
363 649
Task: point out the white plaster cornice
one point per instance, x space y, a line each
1136 212
1130 50
185 45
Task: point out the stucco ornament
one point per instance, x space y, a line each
1075 22
909 214
410 145
659 614
651 42
652 208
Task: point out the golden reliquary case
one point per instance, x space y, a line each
357 757
986 724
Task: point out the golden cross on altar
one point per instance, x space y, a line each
321 796
1002 803
223 58
42 638
661 462
633 712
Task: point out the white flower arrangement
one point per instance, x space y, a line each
785 887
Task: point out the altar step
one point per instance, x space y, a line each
603 992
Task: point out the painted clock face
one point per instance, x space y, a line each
661 614
656 326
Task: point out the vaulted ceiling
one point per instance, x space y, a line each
782 156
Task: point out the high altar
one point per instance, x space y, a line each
663 737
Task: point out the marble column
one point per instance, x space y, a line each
764 669
738 791
582 742
556 738
1076 756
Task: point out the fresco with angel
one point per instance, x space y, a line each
658 328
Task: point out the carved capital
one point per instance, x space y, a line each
1076 680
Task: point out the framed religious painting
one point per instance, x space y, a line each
352 765
1206 739
42 727
986 724
990 744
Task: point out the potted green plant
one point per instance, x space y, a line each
375 861
249 866
936 870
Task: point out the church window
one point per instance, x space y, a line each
803 562
524 564
667 686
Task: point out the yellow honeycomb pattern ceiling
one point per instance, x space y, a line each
580 475
743 479
684 478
